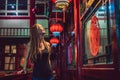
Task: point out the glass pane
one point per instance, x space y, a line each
6 66
13 49
9 63
22 14
13 60
2 14
2 4
40 9
7 49
12 67
9 59
12 13
22 4
11 5
9 66
97 38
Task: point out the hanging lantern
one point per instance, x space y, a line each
56 29
54 41
62 3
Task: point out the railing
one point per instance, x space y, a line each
14 32
13 76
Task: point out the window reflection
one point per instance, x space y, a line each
102 53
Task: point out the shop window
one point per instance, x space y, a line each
10 51
98 35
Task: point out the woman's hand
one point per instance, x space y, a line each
21 71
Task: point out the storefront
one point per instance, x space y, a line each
100 41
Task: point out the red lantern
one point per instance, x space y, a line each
56 29
54 41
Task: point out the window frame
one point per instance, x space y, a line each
109 58
16 11
11 56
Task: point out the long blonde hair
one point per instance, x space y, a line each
34 43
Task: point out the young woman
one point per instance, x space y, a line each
39 54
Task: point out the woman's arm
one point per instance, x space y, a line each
26 58
24 70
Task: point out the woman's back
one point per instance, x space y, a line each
41 66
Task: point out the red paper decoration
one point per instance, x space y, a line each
94 36
56 28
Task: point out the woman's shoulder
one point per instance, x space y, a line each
47 43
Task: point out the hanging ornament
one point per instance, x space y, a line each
54 41
62 3
56 29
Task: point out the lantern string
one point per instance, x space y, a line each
56 16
